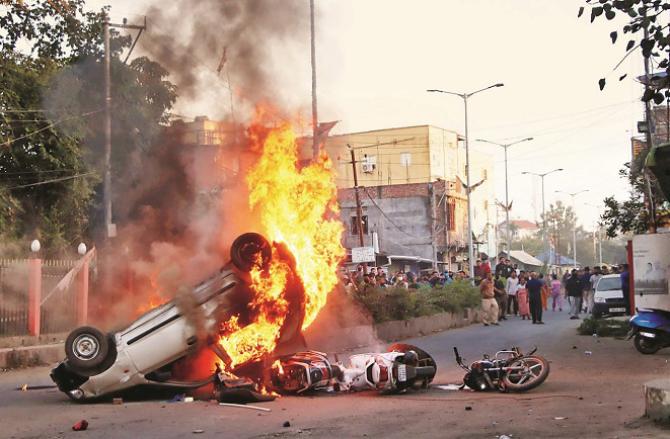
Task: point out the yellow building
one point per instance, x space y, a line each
411 158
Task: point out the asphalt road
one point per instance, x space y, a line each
596 395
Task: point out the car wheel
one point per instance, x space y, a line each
249 250
86 348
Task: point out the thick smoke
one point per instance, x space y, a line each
179 207
265 42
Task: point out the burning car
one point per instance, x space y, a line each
99 364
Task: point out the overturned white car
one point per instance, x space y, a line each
99 364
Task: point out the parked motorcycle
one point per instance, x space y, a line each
509 370
650 330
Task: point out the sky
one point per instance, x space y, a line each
376 58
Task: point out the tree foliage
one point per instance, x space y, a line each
646 29
51 102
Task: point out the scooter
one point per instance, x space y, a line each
650 330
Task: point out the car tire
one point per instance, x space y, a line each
86 349
247 247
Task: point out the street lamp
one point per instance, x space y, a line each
544 220
505 146
465 96
574 228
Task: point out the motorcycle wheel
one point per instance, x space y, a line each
536 370
425 359
645 346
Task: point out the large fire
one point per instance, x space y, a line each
297 207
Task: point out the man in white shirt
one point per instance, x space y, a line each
511 288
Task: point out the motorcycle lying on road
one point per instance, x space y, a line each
650 329
509 370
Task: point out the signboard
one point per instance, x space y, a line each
651 262
362 254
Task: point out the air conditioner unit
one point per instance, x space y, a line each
369 168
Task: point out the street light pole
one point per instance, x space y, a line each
507 207
544 219
465 96
574 228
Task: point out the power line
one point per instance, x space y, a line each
365 189
51 181
50 125
36 172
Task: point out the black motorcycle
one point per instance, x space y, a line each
507 371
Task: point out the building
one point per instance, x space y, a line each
413 193
519 229
203 142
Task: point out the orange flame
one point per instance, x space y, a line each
297 206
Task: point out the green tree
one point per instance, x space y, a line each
51 119
561 221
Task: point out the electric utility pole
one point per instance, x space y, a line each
315 116
110 231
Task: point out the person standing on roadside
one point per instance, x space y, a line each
556 293
489 304
585 280
511 288
522 299
534 287
573 288
501 297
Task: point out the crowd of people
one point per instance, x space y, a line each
377 277
508 291
527 294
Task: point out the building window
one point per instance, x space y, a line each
405 159
354 225
208 137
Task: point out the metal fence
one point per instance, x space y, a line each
57 311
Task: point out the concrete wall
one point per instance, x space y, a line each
411 214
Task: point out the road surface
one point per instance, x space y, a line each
597 395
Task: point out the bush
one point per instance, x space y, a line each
386 304
603 327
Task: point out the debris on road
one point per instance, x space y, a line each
177 398
560 418
117 401
188 399
243 406
81 425
468 408
24 387
449 387
286 424
198 431
588 353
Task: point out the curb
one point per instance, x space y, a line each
420 326
28 356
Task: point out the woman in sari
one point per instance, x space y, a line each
522 298
546 293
